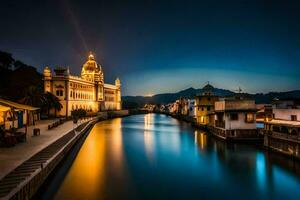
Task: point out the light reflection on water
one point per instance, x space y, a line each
157 157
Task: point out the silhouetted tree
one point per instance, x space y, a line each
78 114
18 64
6 60
52 102
34 96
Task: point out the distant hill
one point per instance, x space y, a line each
171 97
192 92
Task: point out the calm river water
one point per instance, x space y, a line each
157 157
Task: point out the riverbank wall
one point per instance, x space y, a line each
282 143
24 181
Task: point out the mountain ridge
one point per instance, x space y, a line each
191 92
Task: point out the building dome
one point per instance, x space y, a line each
91 65
91 70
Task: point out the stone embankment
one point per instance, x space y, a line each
24 181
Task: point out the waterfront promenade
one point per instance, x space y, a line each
12 157
26 166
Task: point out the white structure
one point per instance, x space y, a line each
236 114
87 92
291 114
235 118
191 107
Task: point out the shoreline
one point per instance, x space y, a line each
259 141
24 181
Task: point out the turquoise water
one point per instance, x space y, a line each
157 157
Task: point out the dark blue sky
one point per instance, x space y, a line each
162 46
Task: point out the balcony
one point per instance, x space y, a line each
220 124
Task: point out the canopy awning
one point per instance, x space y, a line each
4 108
8 103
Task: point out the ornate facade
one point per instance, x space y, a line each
88 92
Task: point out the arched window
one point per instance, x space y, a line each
59 93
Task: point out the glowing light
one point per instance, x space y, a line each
148 121
200 139
149 143
88 166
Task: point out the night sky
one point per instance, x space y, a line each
162 46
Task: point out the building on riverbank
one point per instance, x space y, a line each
88 92
205 106
16 115
283 136
288 114
282 132
264 112
191 107
235 118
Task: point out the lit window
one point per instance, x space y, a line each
249 117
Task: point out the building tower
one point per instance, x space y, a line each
47 79
118 94
205 105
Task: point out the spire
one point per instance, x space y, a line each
117 81
47 72
91 56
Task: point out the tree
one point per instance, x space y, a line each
34 96
78 114
51 102
6 60
18 64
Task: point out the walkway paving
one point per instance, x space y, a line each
12 157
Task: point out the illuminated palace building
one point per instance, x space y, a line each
87 92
